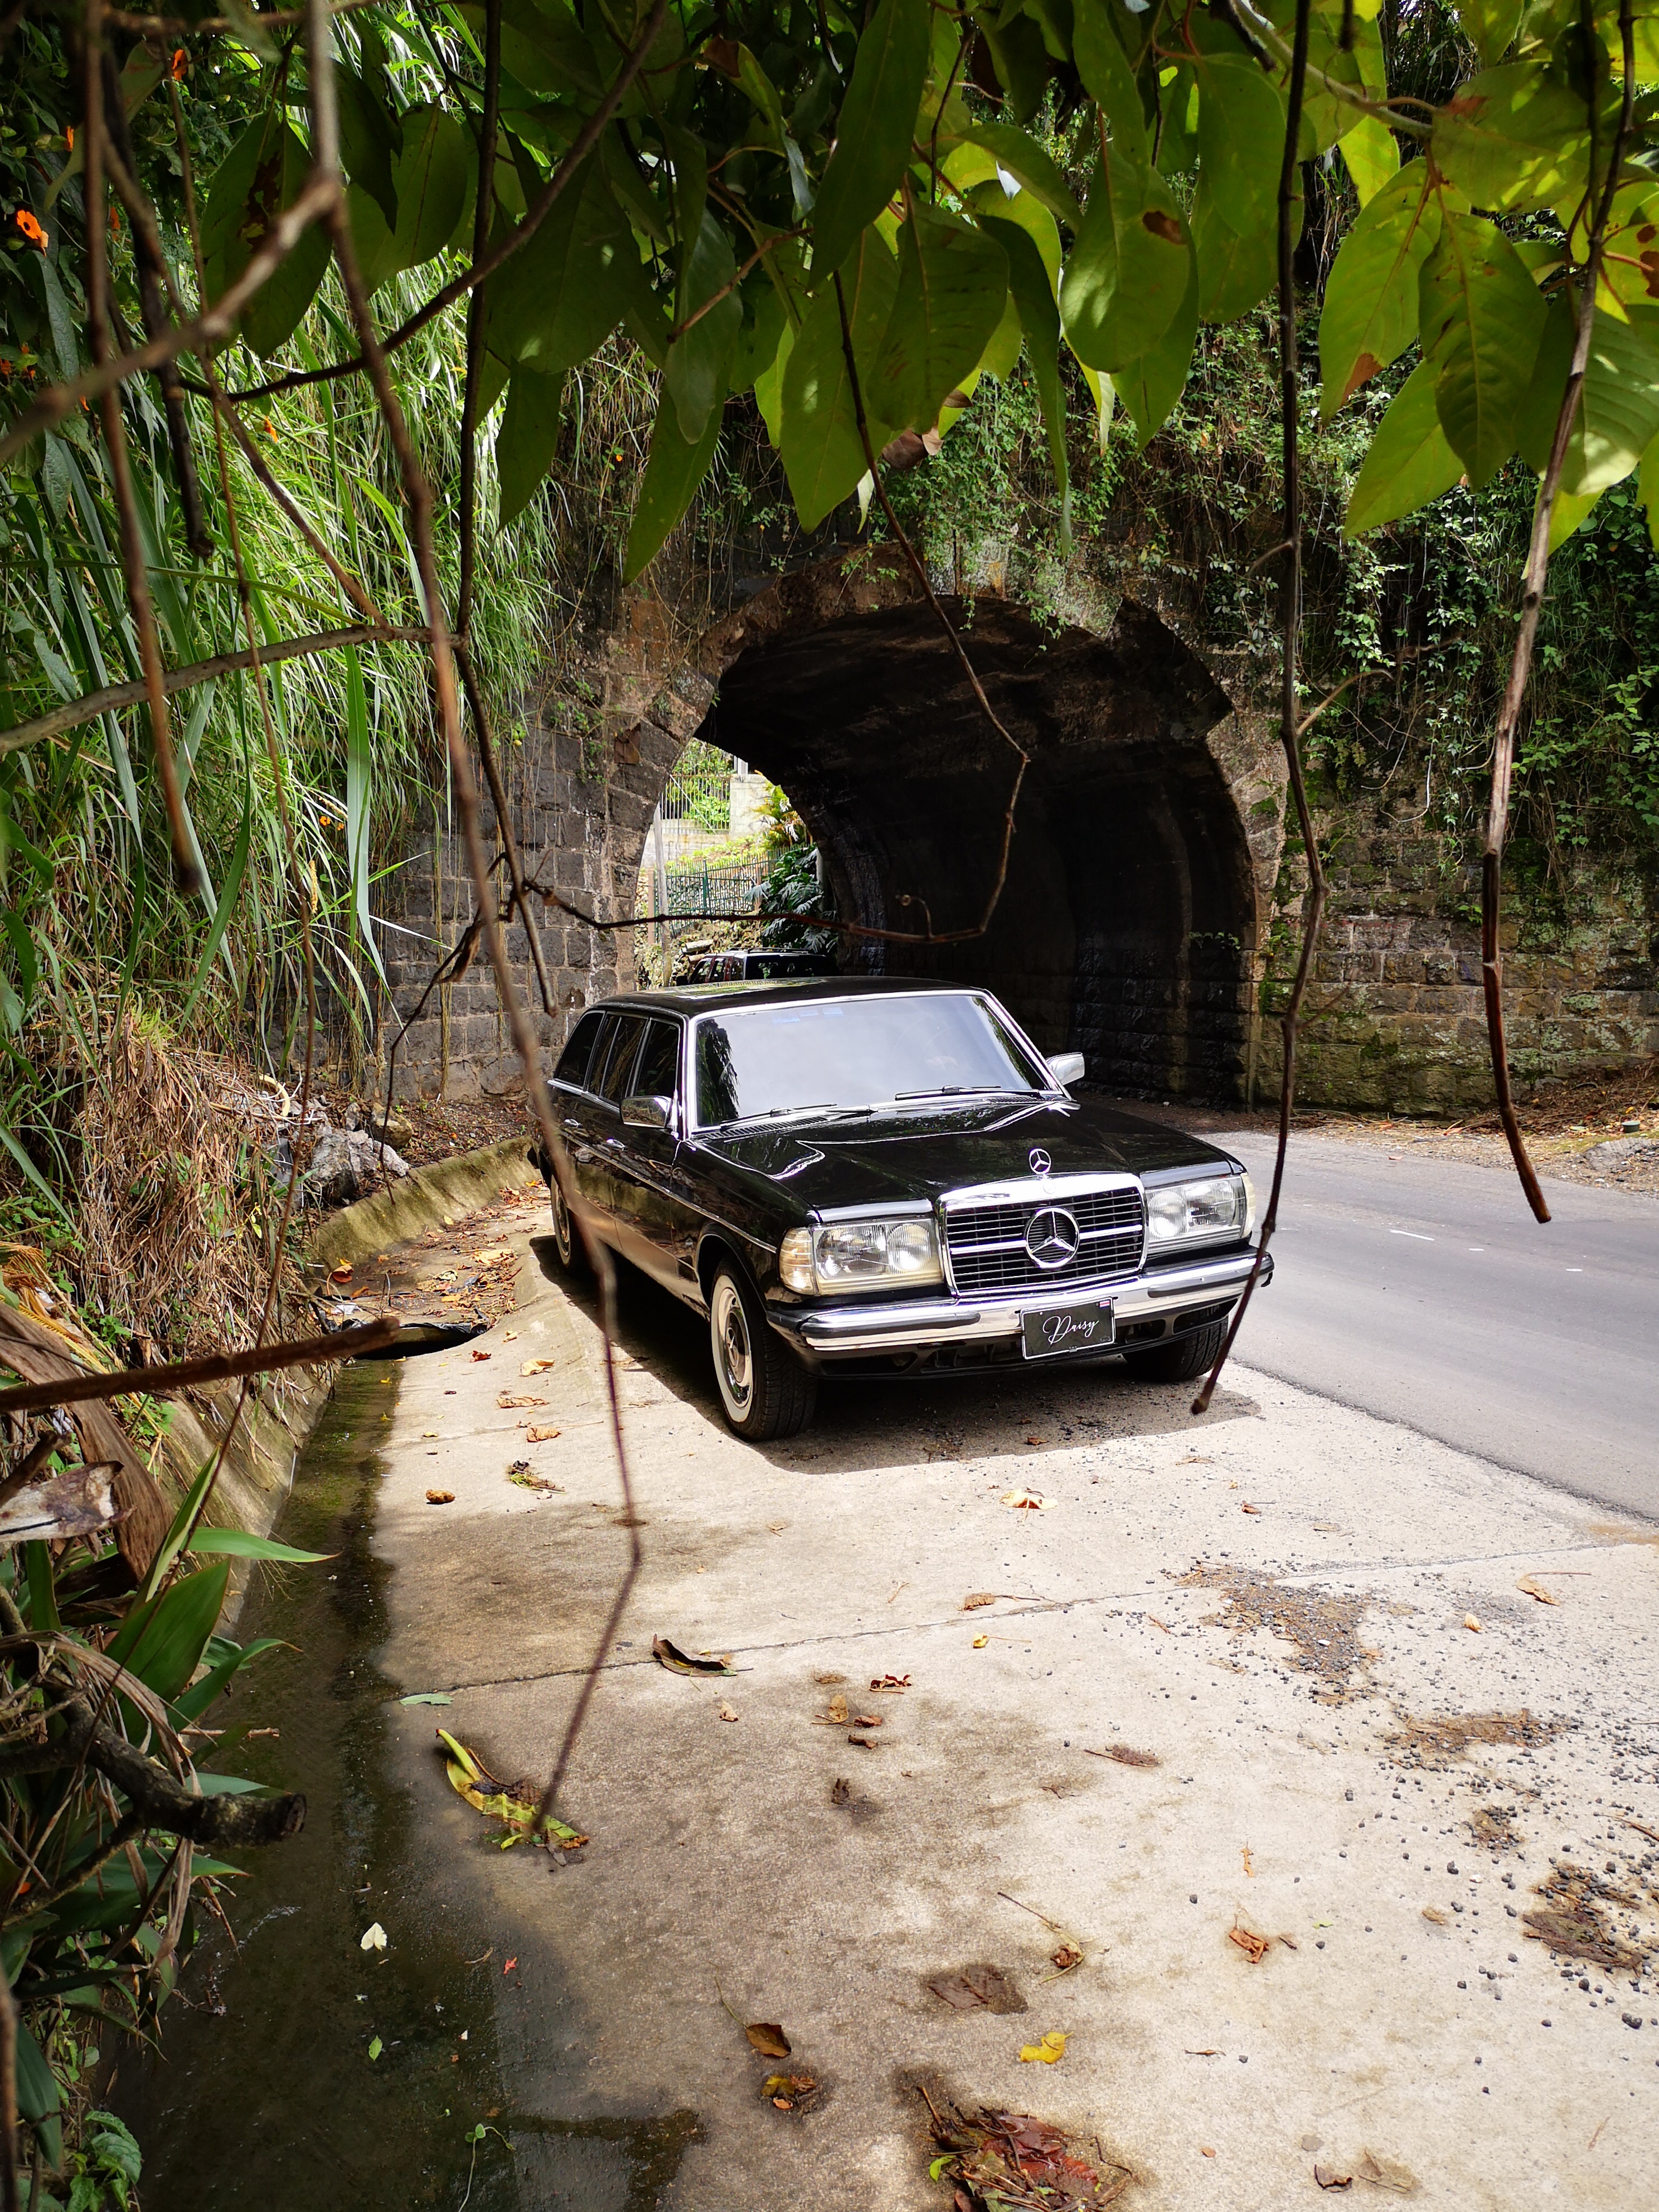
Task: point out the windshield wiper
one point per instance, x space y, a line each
966 1091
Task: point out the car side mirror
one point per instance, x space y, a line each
642 1111
1066 1067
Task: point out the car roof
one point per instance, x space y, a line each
710 998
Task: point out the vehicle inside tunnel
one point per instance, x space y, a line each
1126 924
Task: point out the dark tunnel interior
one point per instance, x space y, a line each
1126 926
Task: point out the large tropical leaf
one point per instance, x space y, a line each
1150 387
1410 461
952 286
1105 67
694 376
264 173
1128 271
673 469
1032 291
1241 139
1370 314
1513 137
1482 317
823 456
873 131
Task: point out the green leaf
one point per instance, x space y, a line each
1490 26
375 2047
1370 315
263 173
543 45
1150 387
952 284
1540 410
37 2093
673 469
1020 55
178 1535
1618 407
769 387
1372 154
563 292
528 439
192 1704
1513 138
229 892
873 131
371 140
171 1643
242 1544
1106 78
1647 490
1234 273
823 456
431 178
1033 295
1482 317
1241 139
1410 461
694 376
1027 163
1129 269
1571 508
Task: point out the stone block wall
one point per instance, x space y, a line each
1395 1013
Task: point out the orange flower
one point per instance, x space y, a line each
269 429
115 223
69 137
180 63
30 229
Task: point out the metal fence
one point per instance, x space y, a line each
731 888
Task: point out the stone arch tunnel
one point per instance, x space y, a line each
1129 923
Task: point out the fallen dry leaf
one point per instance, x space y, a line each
1328 2177
1249 1509
1386 2173
1290 1942
1470 1622
441 1497
1249 1869
769 2038
342 1274
536 1366
1255 1947
681 1662
1037 1440
979 1988
836 1713
482 1355
1433 1912
1066 1957
1048 2050
509 1399
787 2090
890 1681
508 1965
976 1598
1536 1590
869 1720
374 1938
496 1252
1027 1501
979 1643
841 1791
519 1473
728 1713
1204 2151
542 1435
867 1741
824 1681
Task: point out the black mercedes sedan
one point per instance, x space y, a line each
877 1178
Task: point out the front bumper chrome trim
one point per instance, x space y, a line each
919 1323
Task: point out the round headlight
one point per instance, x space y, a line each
1166 1213
910 1248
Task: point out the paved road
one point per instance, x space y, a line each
1423 1291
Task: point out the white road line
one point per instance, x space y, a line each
1417 1233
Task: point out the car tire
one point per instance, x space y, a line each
765 1391
1182 1361
566 1239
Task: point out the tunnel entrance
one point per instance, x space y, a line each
1127 926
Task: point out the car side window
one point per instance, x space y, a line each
578 1051
612 1082
657 1074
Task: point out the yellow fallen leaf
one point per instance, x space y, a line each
1045 2053
496 1252
1536 1590
1031 1500
1469 1621
728 1713
536 1366
542 1435
374 1938
979 1643
467 1775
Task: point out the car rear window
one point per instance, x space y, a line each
610 1077
658 1074
579 1050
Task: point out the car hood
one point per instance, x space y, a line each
921 1154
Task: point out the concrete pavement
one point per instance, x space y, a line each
1271 1603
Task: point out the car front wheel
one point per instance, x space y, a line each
566 1239
765 1391
1182 1361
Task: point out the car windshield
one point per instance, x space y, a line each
853 1053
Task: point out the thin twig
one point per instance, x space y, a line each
184 1374
87 709
1532 603
1289 403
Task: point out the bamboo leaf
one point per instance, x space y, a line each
1370 314
224 906
1410 461
242 1544
360 774
1482 318
873 131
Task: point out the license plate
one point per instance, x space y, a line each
1086 1327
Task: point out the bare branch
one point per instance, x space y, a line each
184 1374
1289 731
87 709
